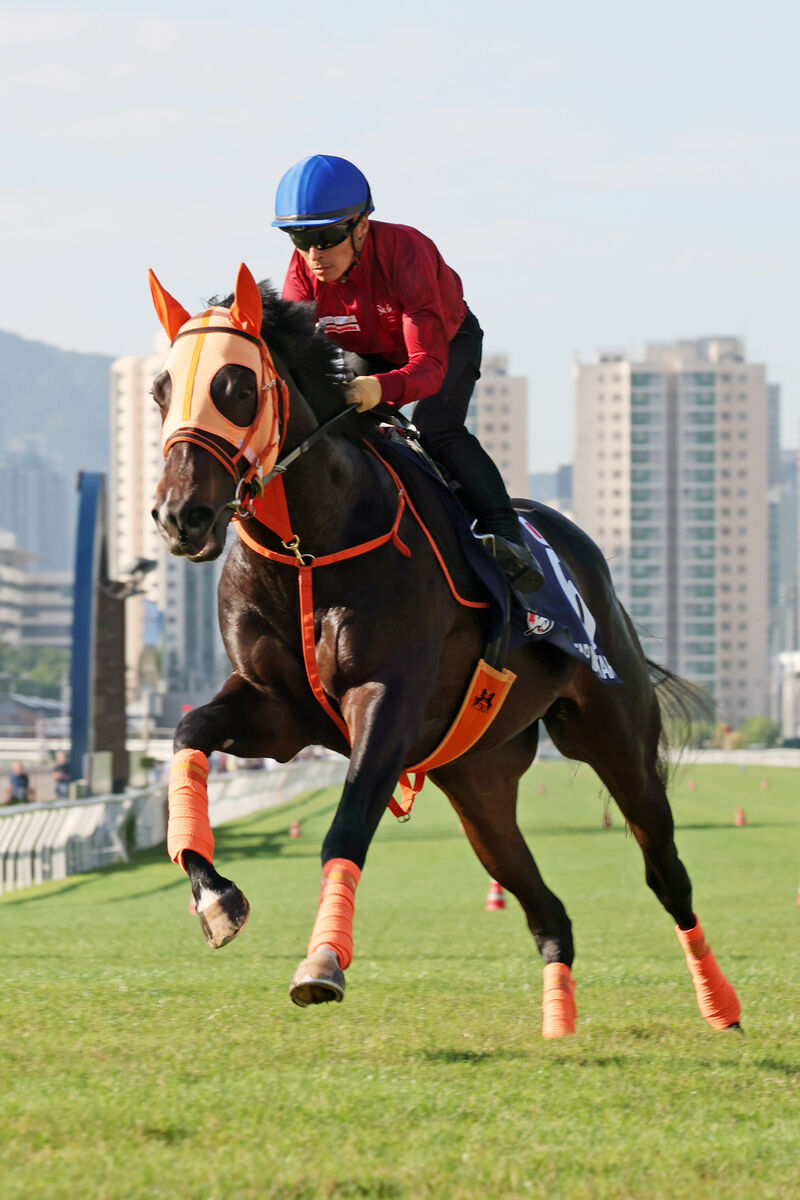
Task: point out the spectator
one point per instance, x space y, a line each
61 776
18 788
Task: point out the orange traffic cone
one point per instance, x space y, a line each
495 899
764 785
740 818
541 789
691 785
294 832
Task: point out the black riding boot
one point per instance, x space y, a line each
500 532
465 459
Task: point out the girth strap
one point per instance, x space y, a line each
482 702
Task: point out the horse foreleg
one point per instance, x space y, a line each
381 720
221 908
483 790
243 721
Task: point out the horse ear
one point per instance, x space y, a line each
171 314
246 310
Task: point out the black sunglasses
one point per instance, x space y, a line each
322 237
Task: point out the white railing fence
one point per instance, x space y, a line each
39 842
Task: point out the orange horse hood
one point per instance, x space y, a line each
201 346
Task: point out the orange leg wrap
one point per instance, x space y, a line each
558 1001
334 924
188 827
715 996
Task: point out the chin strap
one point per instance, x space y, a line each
356 252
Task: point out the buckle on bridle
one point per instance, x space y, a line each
254 486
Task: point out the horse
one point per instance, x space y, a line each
371 654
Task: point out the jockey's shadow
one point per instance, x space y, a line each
447 1055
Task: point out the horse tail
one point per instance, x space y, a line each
681 703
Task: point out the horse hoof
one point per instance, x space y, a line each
223 917
318 979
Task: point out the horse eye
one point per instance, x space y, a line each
233 393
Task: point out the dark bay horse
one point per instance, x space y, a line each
374 658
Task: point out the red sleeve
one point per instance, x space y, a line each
424 333
297 285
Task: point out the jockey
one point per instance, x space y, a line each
384 293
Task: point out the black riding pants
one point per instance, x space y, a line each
440 421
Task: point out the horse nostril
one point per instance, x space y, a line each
197 520
188 522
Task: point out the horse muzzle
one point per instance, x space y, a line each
192 530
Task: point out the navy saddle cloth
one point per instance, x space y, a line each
561 616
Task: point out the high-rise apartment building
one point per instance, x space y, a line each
784 624
135 471
35 504
174 614
671 480
498 416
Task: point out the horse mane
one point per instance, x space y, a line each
289 328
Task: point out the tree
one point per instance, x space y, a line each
759 731
34 670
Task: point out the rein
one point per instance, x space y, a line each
241 507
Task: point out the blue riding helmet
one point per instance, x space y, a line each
321 190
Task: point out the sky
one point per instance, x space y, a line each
599 175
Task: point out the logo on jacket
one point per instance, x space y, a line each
336 325
388 313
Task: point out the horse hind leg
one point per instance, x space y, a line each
622 748
483 791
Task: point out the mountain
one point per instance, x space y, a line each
60 395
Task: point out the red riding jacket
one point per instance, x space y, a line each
401 302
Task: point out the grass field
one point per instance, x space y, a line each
136 1063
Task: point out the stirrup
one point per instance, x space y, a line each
519 565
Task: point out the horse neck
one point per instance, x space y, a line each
332 491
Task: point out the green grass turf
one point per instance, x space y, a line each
136 1063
